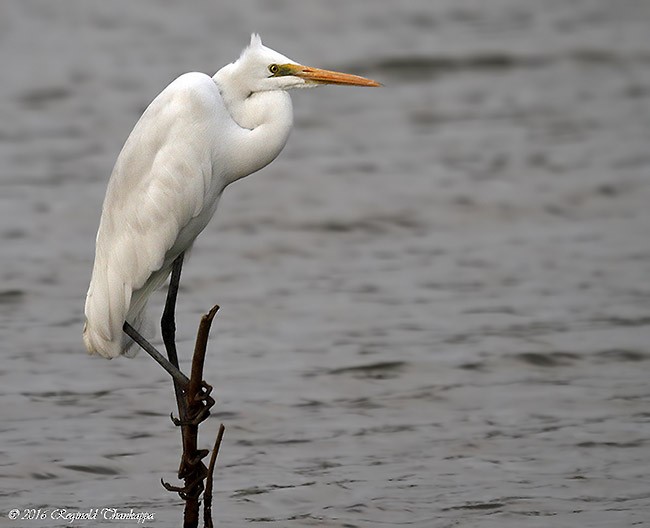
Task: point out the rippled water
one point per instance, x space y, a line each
435 303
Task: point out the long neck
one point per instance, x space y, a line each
264 121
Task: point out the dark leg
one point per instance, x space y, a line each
178 376
168 330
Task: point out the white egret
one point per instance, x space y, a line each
198 136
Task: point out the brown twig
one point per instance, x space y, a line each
207 494
192 469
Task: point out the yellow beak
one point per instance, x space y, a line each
317 75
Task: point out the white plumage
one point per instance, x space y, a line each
199 135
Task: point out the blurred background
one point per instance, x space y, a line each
435 302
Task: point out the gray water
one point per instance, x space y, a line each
435 302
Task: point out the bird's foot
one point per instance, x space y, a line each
199 409
200 417
191 490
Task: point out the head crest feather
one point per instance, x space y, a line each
255 43
256 40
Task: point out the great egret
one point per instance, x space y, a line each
198 136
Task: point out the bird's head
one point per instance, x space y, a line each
261 69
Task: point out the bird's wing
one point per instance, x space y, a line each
162 180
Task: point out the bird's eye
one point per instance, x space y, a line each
274 68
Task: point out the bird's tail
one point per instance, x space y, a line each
109 303
96 342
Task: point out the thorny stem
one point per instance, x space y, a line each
198 402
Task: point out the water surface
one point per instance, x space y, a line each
435 303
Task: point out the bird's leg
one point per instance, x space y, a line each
178 376
168 322
168 331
